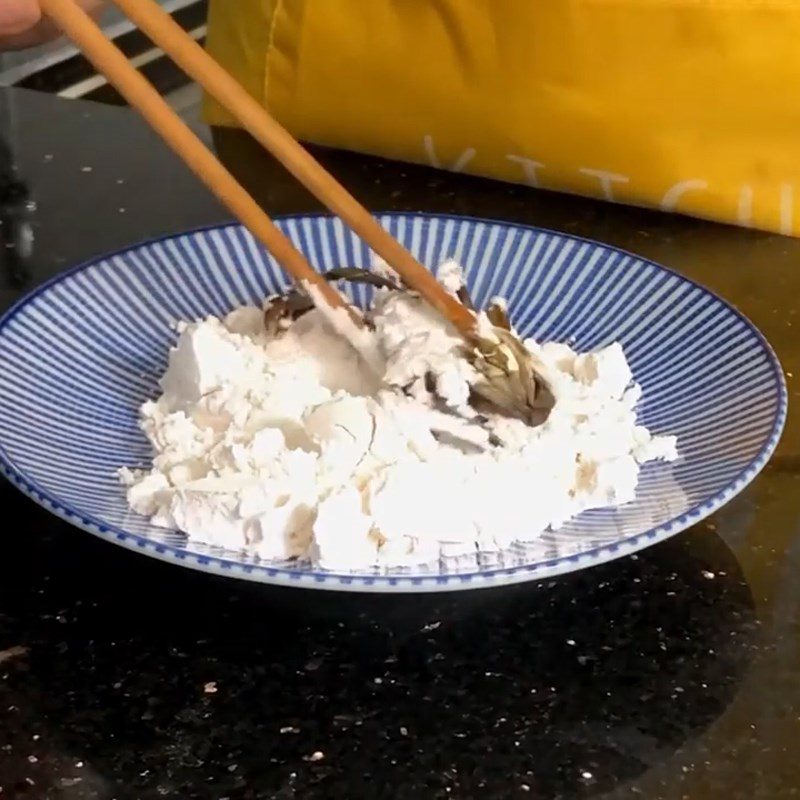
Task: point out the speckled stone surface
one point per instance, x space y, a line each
674 674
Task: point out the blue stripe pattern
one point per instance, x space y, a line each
80 354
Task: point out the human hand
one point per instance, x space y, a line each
18 17
22 23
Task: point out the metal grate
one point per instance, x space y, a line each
61 70
73 76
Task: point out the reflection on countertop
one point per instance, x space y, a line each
562 689
17 207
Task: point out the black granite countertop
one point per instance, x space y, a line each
668 675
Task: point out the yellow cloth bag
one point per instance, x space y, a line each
684 105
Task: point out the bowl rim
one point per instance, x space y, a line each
418 582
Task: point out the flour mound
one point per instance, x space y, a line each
291 447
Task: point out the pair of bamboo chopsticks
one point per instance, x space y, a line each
200 66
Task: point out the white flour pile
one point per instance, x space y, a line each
290 447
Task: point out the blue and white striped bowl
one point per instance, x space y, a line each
79 355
